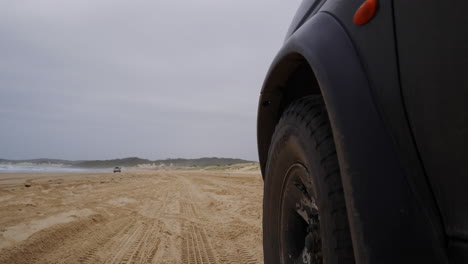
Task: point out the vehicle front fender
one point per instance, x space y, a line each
387 224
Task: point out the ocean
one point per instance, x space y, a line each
42 168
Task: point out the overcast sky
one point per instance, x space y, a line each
102 79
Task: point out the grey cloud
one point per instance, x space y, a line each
155 79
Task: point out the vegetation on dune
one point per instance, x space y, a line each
252 166
133 162
40 161
127 162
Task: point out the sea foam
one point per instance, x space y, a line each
39 168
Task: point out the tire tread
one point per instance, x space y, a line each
310 112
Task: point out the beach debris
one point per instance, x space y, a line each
27 185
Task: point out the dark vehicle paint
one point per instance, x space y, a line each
401 174
305 11
434 74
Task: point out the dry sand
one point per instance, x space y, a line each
133 217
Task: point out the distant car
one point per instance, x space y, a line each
117 169
363 134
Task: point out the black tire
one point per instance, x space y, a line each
304 211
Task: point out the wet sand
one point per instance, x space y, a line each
134 217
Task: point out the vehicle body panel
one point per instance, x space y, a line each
433 54
306 10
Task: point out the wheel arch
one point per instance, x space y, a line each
290 78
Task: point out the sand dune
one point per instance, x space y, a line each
133 217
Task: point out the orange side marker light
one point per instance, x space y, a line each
365 12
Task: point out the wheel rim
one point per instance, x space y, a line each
300 239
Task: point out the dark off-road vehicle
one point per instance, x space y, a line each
363 134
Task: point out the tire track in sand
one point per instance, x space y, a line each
140 246
104 240
239 256
188 210
196 248
142 243
137 242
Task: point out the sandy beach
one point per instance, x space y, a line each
167 216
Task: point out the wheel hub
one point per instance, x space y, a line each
300 239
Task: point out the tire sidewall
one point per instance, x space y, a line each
293 144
